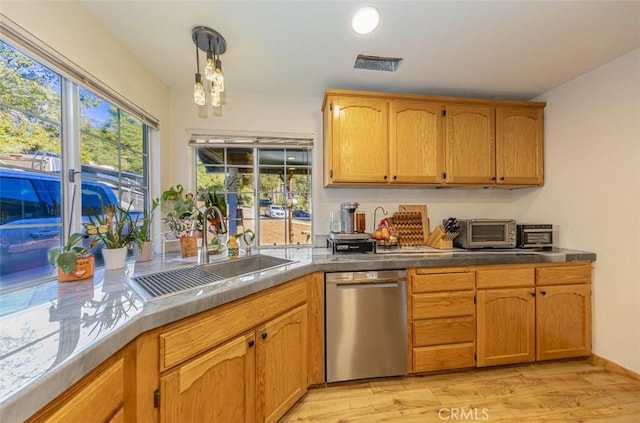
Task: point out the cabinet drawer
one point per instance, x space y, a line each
445 304
505 278
194 335
443 282
453 330
443 357
561 275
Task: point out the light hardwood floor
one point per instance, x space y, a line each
570 391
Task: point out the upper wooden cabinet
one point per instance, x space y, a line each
416 142
385 139
519 146
358 132
470 144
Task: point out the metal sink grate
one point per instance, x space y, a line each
175 280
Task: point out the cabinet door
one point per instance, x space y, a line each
281 364
470 138
218 386
563 321
519 146
506 326
358 144
416 142
99 400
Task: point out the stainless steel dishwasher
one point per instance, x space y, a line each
366 324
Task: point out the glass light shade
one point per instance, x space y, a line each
209 70
218 79
216 101
365 20
198 92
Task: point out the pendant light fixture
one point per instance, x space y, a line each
198 89
214 44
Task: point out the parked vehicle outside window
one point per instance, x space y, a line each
30 218
275 211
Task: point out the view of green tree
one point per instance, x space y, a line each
29 104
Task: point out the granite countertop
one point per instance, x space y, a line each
53 334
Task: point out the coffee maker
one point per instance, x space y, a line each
348 240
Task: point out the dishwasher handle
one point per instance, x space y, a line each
373 284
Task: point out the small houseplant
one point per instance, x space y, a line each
183 218
73 260
115 228
142 234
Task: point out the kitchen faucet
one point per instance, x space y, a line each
220 229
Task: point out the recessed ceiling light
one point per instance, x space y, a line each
365 20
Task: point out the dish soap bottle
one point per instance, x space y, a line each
233 247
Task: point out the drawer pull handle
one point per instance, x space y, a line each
263 335
251 343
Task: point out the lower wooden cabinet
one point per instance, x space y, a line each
218 386
442 319
506 326
256 376
533 313
99 397
246 361
281 364
563 312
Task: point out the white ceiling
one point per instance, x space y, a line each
507 49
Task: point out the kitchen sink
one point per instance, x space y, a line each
244 265
154 286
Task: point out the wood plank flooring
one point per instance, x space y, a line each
568 391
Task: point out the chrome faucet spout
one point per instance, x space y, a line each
221 228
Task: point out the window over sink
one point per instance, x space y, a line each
265 180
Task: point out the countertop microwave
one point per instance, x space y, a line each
486 233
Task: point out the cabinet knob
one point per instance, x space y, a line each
395 177
543 292
251 343
533 294
493 179
502 178
263 335
385 177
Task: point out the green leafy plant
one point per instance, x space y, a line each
182 214
66 257
114 227
142 233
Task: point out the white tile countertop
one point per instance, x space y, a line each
53 334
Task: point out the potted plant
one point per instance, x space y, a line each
115 228
182 218
143 251
73 260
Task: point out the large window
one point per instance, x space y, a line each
62 148
266 184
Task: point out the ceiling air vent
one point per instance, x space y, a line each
389 64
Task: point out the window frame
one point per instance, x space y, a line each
70 171
259 141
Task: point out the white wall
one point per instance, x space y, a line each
592 167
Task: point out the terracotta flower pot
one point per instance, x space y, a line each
85 266
188 246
